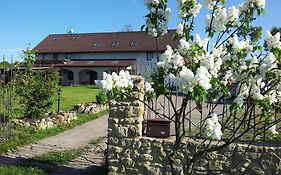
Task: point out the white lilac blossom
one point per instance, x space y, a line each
272 96
107 82
201 42
213 127
239 45
270 61
212 61
209 4
194 10
170 59
156 29
219 20
148 88
203 77
180 29
273 41
233 14
260 4
183 46
256 93
151 2
184 80
272 129
122 80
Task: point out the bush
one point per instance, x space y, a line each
101 98
36 89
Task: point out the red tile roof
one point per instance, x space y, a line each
104 42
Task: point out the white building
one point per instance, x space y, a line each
81 58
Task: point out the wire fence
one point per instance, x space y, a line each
6 100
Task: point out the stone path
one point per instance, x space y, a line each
74 138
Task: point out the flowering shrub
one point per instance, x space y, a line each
207 72
206 69
116 84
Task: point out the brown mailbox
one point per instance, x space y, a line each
158 128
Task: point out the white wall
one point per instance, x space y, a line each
140 57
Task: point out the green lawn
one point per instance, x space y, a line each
72 95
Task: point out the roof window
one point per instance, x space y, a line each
114 44
97 44
134 43
56 38
75 38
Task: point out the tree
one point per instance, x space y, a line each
204 71
35 88
275 30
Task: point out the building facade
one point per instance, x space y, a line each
82 58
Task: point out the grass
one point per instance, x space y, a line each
20 170
72 95
22 136
60 157
64 157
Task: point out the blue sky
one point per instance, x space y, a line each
25 22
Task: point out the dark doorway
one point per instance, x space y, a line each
93 77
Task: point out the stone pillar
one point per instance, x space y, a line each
124 125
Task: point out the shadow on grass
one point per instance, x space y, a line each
52 169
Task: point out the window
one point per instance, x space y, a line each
55 56
56 38
70 75
75 38
134 43
114 44
150 56
44 56
97 44
68 56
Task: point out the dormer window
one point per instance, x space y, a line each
134 43
56 38
114 44
97 44
75 38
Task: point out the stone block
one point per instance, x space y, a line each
118 131
127 162
112 169
81 108
50 124
132 171
112 122
134 131
114 149
145 157
113 141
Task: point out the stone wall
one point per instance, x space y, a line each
48 121
90 108
51 120
131 153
